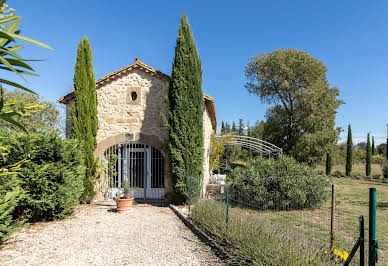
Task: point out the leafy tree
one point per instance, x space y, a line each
84 112
368 157
257 131
240 130
222 127
185 107
329 164
373 146
302 117
349 153
234 128
44 117
361 146
381 149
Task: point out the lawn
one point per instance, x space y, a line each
352 197
357 169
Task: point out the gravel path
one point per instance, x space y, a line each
97 235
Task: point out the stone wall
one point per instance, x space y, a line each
207 132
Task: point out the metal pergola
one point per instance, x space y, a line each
254 144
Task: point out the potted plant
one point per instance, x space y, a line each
126 200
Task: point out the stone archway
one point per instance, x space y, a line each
148 140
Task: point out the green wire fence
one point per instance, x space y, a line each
330 234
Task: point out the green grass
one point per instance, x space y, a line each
357 169
251 239
352 199
304 227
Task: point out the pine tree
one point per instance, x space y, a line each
240 127
329 164
234 129
349 153
373 146
185 106
84 112
222 127
368 157
227 127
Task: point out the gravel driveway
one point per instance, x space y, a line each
144 235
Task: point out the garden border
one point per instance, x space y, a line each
207 240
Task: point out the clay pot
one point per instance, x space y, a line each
123 204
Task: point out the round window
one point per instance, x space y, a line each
133 96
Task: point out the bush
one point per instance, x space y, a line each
11 194
251 239
278 184
51 178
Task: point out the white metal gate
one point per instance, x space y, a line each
140 165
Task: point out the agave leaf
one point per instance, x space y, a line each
29 40
15 85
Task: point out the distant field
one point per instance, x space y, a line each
357 169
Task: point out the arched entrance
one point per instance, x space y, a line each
140 165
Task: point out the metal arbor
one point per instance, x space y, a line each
256 145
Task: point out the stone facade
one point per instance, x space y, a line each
130 108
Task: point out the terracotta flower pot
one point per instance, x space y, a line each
123 204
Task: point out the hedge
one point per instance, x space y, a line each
48 184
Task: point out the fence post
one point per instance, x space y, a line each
189 196
372 227
332 218
362 243
227 206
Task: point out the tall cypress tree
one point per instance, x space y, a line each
329 164
185 114
349 153
368 157
373 146
234 129
84 112
222 127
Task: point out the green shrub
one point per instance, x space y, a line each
338 173
251 239
278 184
11 193
52 176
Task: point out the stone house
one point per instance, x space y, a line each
132 131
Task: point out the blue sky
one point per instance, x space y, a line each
350 37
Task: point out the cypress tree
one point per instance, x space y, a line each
84 113
185 106
234 129
222 127
240 127
368 157
349 153
373 146
328 163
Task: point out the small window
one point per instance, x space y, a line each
133 96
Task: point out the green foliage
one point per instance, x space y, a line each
278 184
349 153
302 118
11 61
11 193
368 157
329 164
84 113
252 239
51 178
185 107
43 118
373 146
